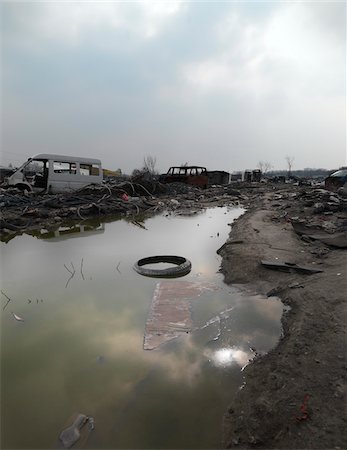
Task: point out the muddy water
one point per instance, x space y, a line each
79 348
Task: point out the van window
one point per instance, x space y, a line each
89 169
64 167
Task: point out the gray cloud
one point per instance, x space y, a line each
219 84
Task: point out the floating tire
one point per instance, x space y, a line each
182 266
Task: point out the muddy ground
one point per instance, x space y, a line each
294 397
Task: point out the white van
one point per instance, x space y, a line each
56 173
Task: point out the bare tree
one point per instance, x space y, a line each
290 162
149 163
264 166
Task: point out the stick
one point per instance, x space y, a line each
8 300
72 273
82 268
118 268
68 281
68 269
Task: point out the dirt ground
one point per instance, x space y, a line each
294 397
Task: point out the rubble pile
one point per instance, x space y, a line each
309 206
318 216
23 211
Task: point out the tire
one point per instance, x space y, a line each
183 266
23 187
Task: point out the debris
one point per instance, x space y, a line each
337 239
82 268
303 410
182 266
70 435
91 423
72 272
170 315
295 285
289 267
17 317
8 300
275 291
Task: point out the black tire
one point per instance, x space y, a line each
22 187
183 266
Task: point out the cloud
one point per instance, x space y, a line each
71 23
180 81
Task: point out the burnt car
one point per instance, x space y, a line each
194 175
336 180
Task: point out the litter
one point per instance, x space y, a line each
338 239
91 423
289 267
17 317
71 434
170 314
303 410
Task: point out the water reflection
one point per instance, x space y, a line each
224 357
73 231
81 348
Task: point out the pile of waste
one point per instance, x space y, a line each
22 210
318 216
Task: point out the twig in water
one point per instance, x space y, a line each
82 268
68 269
68 281
118 268
72 273
138 224
8 300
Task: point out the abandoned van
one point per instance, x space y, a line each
56 173
194 175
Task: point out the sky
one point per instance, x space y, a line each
219 84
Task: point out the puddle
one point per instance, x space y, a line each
87 318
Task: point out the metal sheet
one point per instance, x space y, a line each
170 313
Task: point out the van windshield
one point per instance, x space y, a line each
34 167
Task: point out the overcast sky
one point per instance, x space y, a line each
218 84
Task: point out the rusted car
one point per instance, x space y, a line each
336 180
194 175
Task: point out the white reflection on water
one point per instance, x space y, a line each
225 357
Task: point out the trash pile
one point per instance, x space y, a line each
22 210
317 215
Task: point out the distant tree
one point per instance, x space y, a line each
264 166
290 161
149 163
